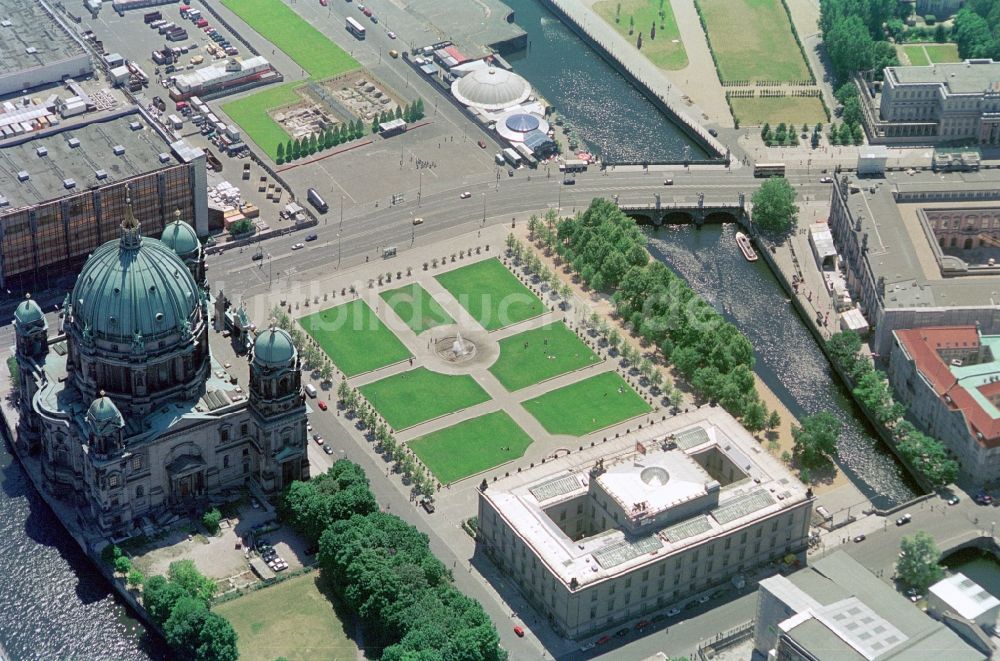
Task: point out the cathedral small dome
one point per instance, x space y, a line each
28 312
103 414
180 237
273 348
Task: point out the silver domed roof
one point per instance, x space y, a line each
491 89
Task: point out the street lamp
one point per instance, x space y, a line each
420 185
484 209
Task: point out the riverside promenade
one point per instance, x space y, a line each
650 79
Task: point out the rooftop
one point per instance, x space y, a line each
74 157
30 37
899 251
653 474
970 386
472 26
859 616
964 596
969 77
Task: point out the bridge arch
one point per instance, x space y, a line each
643 218
720 217
678 218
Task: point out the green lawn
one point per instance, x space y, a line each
539 354
355 339
916 55
419 395
280 25
752 40
665 49
416 308
471 446
491 294
942 53
796 110
292 619
251 113
606 399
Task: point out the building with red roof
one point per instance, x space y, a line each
949 377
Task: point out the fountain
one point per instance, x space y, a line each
458 348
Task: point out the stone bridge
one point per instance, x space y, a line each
659 212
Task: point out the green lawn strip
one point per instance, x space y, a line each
416 308
355 339
251 113
942 53
293 619
797 110
471 446
753 40
539 354
665 49
491 294
419 395
587 405
310 48
916 56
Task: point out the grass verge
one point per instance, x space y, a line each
471 446
797 110
606 399
419 395
663 47
355 339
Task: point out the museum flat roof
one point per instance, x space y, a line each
31 37
74 157
648 480
969 77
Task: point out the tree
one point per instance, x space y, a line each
159 596
241 227
326 372
399 113
773 420
196 633
194 583
816 439
849 45
774 207
211 520
614 339
281 153
296 148
755 417
918 566
122 565
135 578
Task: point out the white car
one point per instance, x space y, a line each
673 612
466 195
418 221
298 246
392 35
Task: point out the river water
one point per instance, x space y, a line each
788 359
53 603
613 118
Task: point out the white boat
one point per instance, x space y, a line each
743 241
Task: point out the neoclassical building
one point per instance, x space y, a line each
128 412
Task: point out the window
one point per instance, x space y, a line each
644 591
136 462
628 582
593 612
113 480
224 435
140 491
243 429
645 575
562 515
593 595
225 461
579 508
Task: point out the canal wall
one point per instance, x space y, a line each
567 11
766 251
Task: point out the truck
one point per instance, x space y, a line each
314 199
166 27
201 23
194 15
157 24
151 16
178 34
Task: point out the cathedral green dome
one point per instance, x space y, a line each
103 414
28 312
134 289
180 236
273 348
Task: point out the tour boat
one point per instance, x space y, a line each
743 241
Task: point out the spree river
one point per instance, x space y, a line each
53 603
611 116
788 359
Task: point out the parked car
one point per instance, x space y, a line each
374 18
673 612
826 180
318 439
328 449
519 631
703 599
903 520
642 624
621 633
859 538
427 504
603 640
392 35
322 405
954 500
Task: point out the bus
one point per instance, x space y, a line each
355 28
573 165
317 201
769 170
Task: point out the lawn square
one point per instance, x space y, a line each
539 354
293 619
416 308
471 446
419 395
606 399
355 339
491 294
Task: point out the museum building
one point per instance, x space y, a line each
129 413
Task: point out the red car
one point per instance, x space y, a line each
519 631
603 640
642 624
321 404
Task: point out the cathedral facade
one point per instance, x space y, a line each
126 408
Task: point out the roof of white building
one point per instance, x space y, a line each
652 475
964 596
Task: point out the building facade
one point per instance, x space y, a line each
949 379
616 531
940 103
126 408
